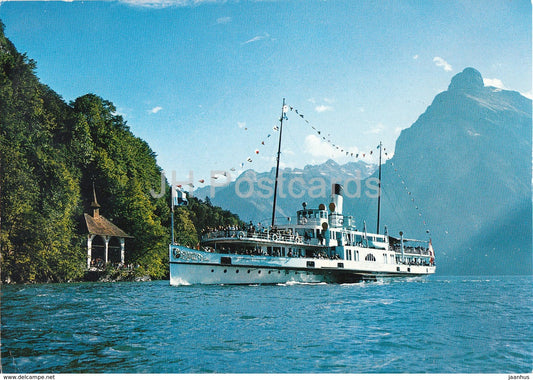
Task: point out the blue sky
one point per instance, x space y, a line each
202 81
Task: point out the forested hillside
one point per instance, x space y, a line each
51 153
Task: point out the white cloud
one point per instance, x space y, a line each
224 20
168 3
493 82
120 111
376 130
440 62
319 148
257 38
153 3
241 124
323 108
155 109
415 57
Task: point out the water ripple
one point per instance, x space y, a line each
452 324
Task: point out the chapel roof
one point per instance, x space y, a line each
101 226
98 225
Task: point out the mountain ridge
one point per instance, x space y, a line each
258 206
460 173
467 159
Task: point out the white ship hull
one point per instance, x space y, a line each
189 267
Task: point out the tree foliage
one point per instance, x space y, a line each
51 153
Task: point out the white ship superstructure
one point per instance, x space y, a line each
322 245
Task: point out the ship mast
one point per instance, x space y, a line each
379 187
277 163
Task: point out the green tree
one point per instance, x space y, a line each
51 154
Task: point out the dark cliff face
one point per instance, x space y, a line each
467 163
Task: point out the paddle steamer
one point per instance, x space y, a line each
323 245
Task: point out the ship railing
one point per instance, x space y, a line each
415 262
411 250
280 236
420 251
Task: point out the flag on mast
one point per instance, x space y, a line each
179 198
431 252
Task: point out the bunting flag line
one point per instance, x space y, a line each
363 155
412 199
335 146
320 133
249 160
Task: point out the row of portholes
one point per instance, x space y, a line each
259 271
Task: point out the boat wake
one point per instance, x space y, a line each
292 283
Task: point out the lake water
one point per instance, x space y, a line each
432 325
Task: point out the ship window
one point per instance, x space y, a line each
225 271
259 271
340 265
310 264
370 257
237 271
248 270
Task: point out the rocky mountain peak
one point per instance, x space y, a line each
468 79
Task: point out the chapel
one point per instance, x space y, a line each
105 241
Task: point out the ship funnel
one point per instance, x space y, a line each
336 197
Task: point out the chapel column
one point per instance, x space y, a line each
90 238
122 251
106 238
